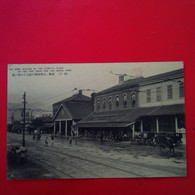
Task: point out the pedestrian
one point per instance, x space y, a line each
46 142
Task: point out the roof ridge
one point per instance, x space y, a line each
136 82
73 97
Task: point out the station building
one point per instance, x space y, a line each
69 111
150 104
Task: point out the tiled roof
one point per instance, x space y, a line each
128 115
78 97
75 98
126 85
140 81
79 110
78 106
164 76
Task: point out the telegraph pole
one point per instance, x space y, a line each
24 117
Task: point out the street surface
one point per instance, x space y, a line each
89 159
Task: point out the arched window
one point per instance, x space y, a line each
124 99
133 98
104 102
117 100
98 104
110 102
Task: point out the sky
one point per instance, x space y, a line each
44 90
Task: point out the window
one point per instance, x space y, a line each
133 98
98 104
148 95
104 102
158 94
181 90
117 100
169 92
125 99
110 102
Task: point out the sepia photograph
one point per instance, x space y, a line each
96 120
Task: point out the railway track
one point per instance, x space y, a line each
79 161
83 167
93 166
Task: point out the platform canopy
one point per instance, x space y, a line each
124 118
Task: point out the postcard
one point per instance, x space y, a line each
96 120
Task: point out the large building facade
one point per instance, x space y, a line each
151 104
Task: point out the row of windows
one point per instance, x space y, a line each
148 96
169 92
116 101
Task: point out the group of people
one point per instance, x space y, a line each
73 136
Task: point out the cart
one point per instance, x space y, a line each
166 142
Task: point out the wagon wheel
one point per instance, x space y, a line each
163 149
156 149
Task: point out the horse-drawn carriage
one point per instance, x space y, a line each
162 142
166 142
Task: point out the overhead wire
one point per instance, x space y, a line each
59 96
51 99
56 96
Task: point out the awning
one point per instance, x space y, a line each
100 125
168 110
124 118
117 118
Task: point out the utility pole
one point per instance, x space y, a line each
24 117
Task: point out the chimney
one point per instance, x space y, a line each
80 92
121 79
